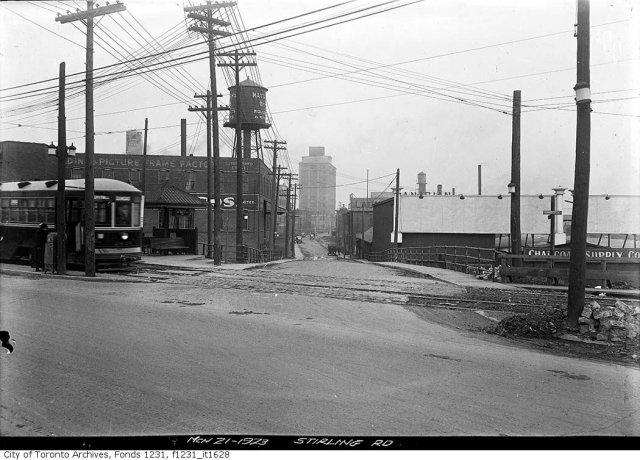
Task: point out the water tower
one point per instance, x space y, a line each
253 112
422 183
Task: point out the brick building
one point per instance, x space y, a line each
175 190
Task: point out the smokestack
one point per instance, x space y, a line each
439 189
422 183
183 137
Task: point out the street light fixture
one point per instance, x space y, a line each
53 150
61 153
511 187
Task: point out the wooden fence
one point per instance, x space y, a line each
461 258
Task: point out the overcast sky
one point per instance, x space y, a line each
423 87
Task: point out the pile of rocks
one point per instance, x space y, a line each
614 323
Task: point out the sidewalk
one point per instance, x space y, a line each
451 276
463 279
189 261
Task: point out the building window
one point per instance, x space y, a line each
163 175
191 181
77 173
134 176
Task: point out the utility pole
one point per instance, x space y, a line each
237 65
62 157
183 137
515 178
144 157
204 14
397 210
479 179
362 240
89 215
275 145
208 115
207 111
293 223
276 195
578 258
286 220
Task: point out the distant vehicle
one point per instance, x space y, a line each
332 250
118 219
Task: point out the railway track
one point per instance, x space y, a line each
399 292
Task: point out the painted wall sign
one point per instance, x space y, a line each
180 163
249 202
600 253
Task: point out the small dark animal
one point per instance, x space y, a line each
6 340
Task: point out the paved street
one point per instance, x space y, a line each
201 352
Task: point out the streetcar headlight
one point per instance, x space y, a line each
124 236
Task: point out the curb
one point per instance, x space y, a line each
34 275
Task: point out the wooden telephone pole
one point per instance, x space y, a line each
578 257
275 145
293 222
515 178
287 216
237 64
208 114
89 217
205 25
397 210
62 157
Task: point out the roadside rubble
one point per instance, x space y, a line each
544 323
615 323
606 332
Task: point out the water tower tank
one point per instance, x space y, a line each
253 106
422 183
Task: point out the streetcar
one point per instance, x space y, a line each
118 207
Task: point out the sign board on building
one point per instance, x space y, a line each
547 212
249 202
134 142
596 253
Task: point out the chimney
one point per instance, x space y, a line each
183 137
422 183
439 189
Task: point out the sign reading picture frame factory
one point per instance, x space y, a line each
179 163
597 253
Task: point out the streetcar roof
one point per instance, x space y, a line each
100 185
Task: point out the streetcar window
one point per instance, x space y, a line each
123 214
13 215
103 213
50 215
135 211
32 215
